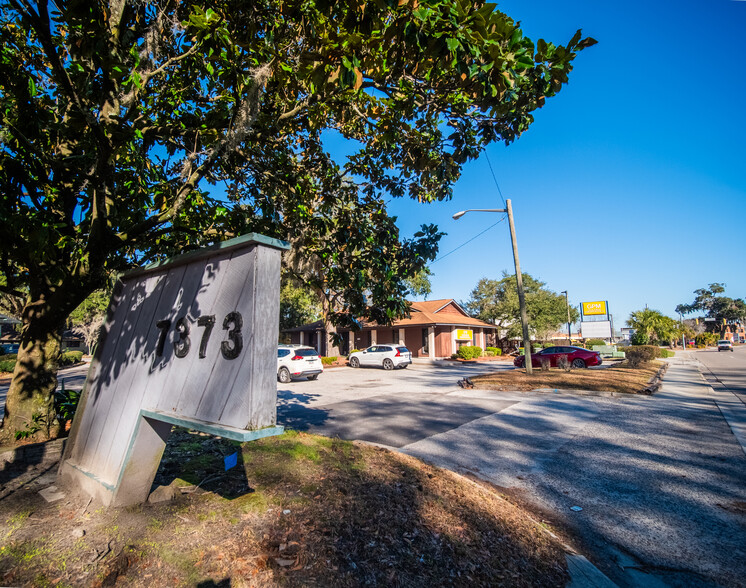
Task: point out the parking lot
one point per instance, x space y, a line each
392 408
650 488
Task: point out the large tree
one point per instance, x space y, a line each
298 305
420 284
716 307
496 301
119 116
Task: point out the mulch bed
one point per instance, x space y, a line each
300 510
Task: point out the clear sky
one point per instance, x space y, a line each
631 184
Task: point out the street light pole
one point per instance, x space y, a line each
569 330
519 278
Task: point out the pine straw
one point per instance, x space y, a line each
320 512
620 379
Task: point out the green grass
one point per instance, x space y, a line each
23 552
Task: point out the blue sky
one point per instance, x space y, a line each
631 184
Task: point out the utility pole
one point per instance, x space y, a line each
521 297
518 277
569 329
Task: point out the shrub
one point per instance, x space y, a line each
329 360
706 339
545 364
665 352
591 342
454 355
639 339
494 350
71 358
7 365
639 354
66 403
489 353
469 352
563 363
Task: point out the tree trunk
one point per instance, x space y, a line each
29 407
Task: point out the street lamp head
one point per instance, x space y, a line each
458 215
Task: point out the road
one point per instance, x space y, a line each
725 370
73 377
660 480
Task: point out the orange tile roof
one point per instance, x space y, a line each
422 314
427 313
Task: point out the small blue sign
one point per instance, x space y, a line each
231 461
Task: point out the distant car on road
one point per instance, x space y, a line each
10 347
386 356
296 361
576 356
725 345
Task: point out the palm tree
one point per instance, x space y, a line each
647 322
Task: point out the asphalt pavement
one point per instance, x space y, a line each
650 488
73 377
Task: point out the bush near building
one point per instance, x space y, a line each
469 352
493 351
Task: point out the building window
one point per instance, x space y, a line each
396 337
425 338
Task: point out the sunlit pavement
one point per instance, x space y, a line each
650 488
657 481
73 377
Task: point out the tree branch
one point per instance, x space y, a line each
41 24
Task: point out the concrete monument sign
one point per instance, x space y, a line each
191 341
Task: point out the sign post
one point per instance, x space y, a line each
191 341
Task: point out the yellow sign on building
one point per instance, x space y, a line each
464 335
594 307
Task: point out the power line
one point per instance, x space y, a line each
469 241
494 177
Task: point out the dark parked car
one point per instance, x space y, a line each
577 356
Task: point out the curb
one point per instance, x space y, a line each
583 574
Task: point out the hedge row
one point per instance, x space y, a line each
8 362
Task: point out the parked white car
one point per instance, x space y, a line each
297 361
386 356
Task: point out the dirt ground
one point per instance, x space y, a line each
617 378
297 510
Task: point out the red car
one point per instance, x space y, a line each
577 356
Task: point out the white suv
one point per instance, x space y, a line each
386 356
297 361
725 345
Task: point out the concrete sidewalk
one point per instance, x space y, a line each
659 479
